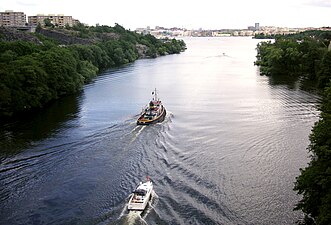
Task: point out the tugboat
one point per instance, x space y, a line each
155 112
140 196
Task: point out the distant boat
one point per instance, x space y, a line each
140 196
155 112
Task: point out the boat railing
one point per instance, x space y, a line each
137 201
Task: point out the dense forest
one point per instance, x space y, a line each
33 73
307 55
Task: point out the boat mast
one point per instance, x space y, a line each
155 95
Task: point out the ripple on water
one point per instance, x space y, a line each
228 151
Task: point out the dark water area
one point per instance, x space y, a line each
228 151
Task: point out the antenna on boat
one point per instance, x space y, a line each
155 94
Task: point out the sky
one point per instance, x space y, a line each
190 14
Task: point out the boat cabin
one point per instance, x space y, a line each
139 195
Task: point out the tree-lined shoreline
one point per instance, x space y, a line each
33 74
307 55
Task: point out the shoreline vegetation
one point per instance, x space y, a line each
36 69
307 56
320 34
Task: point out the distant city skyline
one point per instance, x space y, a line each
207 14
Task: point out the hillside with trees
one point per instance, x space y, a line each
307 56
36 69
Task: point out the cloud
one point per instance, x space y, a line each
30 4
319 3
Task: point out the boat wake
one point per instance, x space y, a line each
133 217
136 132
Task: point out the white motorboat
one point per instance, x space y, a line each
140 196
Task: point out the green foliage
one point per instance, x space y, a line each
269 58
29 81
286 56
92 53
264 36
324 72
80 27
87 70
312 51
47 43
23 83
306 55
8 56
152 52
48 23
315 34
32 75
319 35
61 67
174 46
20 48
314 183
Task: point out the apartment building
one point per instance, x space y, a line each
9 18
59 20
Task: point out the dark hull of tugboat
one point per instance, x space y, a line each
158 119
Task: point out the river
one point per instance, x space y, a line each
228 151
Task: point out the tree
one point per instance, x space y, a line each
324 73
48 23
87 70
314 182
307 57
32 75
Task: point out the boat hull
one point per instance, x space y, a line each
158 119
139 206
140 197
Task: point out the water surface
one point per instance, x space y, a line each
228 151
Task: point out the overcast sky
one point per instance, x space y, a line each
191 14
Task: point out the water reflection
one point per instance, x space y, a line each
24 132
228 151
292 82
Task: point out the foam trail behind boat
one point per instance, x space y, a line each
132 218
139 130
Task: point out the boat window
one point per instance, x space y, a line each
140 192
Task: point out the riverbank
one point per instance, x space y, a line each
231 139
38 68
307 56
